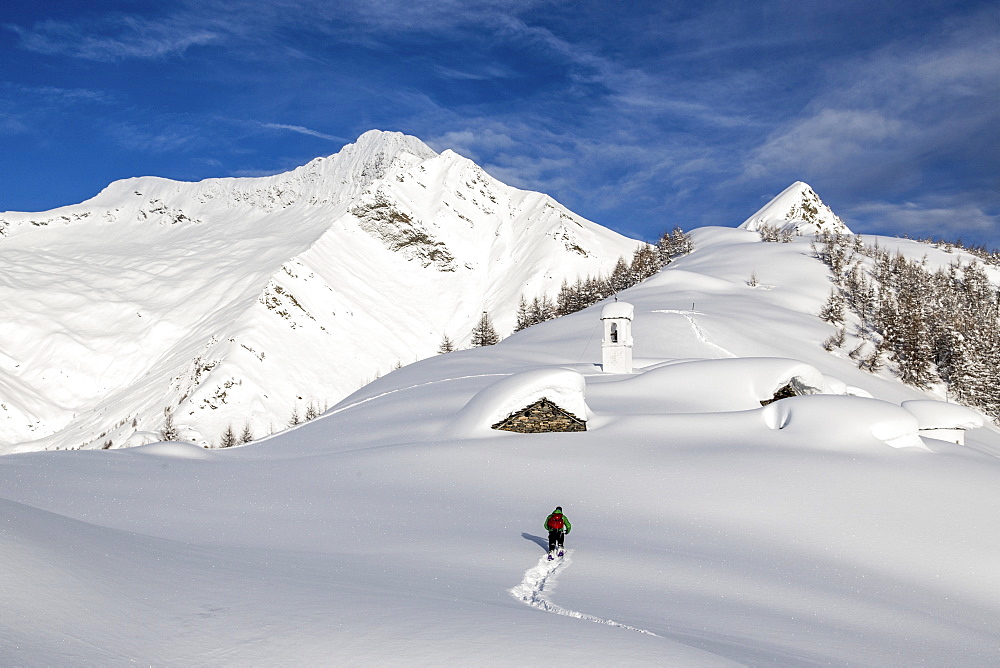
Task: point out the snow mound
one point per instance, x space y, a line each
943 421
716 385
843 420
174 449
797 209
141 438
933 414
564 387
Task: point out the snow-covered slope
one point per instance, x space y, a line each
240 302
797 209
399 528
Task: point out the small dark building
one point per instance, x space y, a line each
782 393
541 417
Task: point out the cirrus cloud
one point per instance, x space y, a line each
115 37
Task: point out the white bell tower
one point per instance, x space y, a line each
616 348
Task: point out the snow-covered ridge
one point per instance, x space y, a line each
245 301
330 180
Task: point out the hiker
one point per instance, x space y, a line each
558 526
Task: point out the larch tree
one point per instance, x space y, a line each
446 346
484 334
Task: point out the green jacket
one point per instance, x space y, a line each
566 523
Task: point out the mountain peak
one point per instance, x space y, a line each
315 278
389 143
797 208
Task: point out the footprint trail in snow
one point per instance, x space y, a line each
698 331
541 579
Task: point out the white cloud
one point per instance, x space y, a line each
115 37
168 134
477 73
36 109
11 124
936 217
424 15
886 119
830 139
302 130
232 23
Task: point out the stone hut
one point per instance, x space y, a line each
532 401
541 417
784 392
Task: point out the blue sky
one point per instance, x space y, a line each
638 115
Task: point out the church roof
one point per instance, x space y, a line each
617 310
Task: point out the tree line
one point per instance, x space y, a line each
585 291
930 325
646 261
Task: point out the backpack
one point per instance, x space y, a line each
555 522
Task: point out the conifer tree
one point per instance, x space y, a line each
483 334
247 434
446 346
548 308
621 277
645 263
524 319
570 298
836 340
169 431
673 245
541 310
873 361
228 438
833 310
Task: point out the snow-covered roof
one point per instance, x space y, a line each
728 384
617 310
933 414
562 386
852 418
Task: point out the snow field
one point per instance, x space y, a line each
540 580
792 534
749 551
